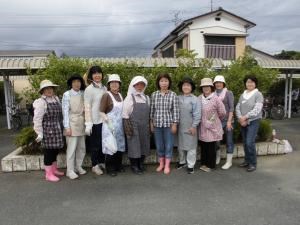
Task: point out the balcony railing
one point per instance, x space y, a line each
226 52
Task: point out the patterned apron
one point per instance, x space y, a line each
115 117
139 143
52 126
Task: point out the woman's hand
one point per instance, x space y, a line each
174 128
229 126
192 131
151 127
68 132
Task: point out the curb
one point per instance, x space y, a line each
15 161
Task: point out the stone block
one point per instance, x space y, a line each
19 163
240 152
61 161
7 165
272 150
32 162
262 148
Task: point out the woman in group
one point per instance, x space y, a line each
210 129
136 119
226 96
74 129
249 114
111 107
164 115
47 122
187 129
93 121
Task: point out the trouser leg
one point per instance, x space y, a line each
191 158
80 151
70 156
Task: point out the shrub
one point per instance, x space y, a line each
264 131
25 139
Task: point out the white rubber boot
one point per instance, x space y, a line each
228 163
218 157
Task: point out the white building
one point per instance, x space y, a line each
217 34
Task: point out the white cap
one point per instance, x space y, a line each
219 78
114 77
46 83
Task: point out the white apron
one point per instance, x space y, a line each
115 118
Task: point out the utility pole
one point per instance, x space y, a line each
211 5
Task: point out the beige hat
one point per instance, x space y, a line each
113 77
46 83
206 82
219 78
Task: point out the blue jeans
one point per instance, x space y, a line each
164 141
249 134
229 138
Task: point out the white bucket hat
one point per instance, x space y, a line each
113 77
206 82
219 78
46 83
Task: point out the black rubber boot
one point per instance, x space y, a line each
134 166
141 163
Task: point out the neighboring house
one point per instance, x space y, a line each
217 34
10 63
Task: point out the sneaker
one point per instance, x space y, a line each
97 170
179 166
81 171
72 175
205 168
244 164
251 168
190 170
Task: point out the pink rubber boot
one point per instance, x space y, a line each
49 174
161 164
55 170
167 169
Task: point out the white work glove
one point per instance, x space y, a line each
88 129
39 138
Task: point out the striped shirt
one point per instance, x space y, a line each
164 109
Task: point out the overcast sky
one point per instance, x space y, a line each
116 28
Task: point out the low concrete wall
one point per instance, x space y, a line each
15 161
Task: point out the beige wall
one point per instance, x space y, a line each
19 86
185 43
240 46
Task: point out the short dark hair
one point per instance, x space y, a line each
186 80
252 78
163 75
73 77
93 70
211 87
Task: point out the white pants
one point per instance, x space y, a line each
188 157
75 152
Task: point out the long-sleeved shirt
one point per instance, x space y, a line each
228 102
92 99
66 105
250 105
128 103
164 109
40 108
107 104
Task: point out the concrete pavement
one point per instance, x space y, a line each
271 195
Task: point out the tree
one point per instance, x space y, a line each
288 55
